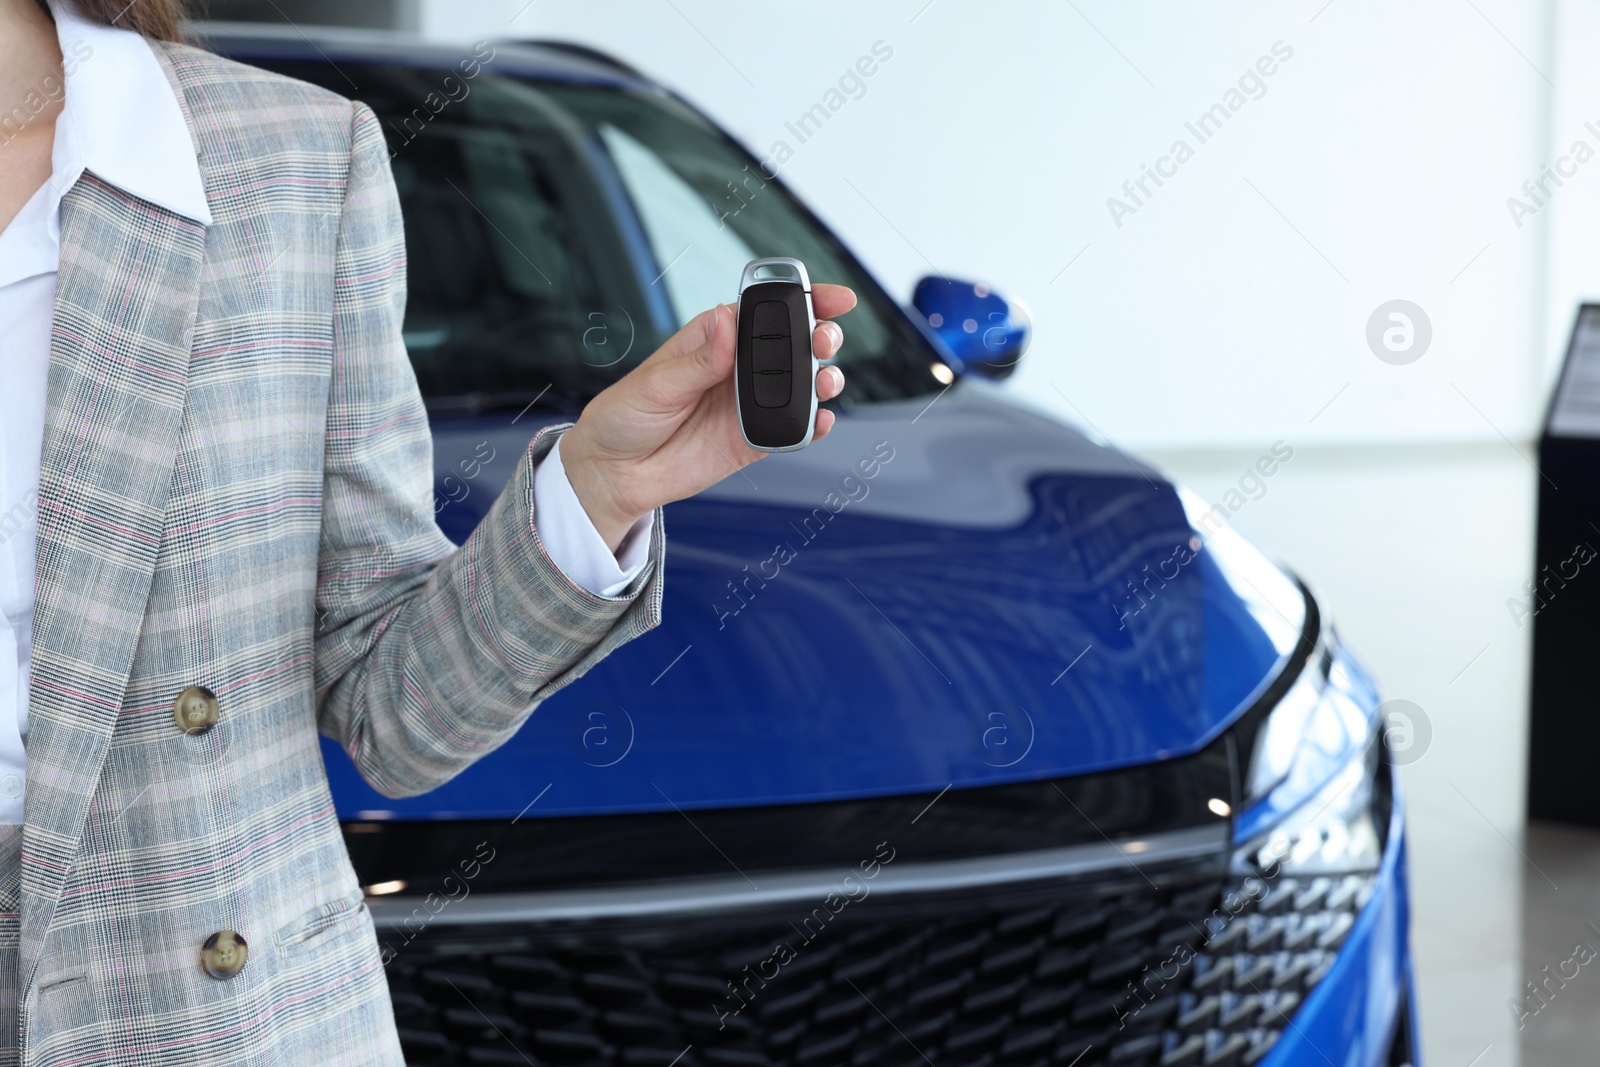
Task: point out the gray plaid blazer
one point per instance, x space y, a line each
236 494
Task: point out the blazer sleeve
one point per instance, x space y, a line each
429 657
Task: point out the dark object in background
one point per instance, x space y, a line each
1562 600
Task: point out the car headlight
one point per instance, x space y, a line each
1316 800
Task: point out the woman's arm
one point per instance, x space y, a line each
428 658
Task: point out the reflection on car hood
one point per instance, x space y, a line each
957 595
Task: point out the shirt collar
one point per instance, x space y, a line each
121 117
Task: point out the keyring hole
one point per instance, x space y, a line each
777 272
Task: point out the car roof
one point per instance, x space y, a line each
550 60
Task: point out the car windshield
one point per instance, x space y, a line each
557 233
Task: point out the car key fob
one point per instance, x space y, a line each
775 371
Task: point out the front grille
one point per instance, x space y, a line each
1139 971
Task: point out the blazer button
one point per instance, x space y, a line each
195 710
224 954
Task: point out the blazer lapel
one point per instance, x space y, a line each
126 297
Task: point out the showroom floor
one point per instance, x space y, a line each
1414 550
1557 916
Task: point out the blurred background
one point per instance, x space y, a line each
1337 155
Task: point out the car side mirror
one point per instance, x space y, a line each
982 332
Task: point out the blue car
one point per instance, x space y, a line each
966 739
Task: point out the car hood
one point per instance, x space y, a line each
952 593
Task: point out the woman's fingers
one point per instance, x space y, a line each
700 357
824 424
827 340
831 301
696 358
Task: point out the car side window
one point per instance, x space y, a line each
701 256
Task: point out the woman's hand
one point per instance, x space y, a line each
670 428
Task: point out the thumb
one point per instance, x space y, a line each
695 359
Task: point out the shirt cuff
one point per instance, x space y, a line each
574 545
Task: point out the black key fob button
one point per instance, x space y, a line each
771 354
773 388
770 318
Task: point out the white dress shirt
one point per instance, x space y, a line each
121 120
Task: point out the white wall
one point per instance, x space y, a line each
1231 308
1572 213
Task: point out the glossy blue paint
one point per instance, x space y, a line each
980 330
1350 1017
974 598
